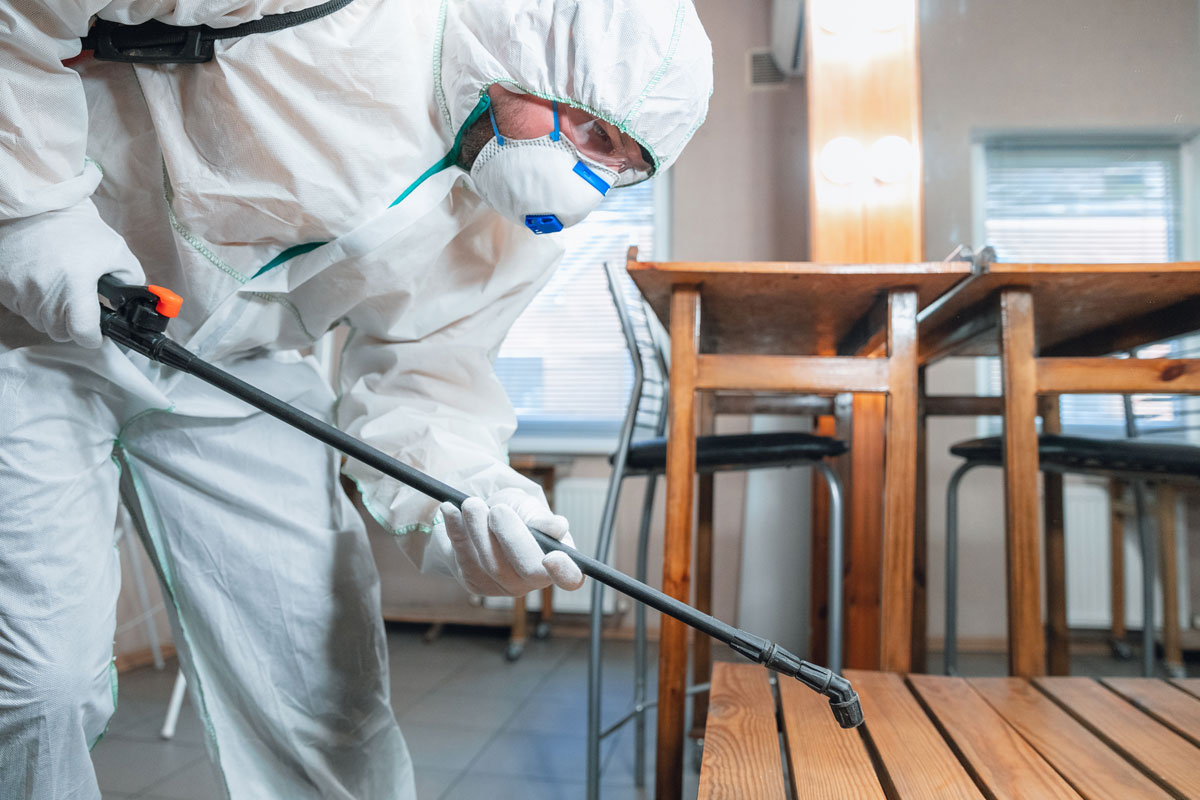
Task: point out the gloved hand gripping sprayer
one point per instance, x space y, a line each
137 317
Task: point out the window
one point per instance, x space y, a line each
1089 205
564 363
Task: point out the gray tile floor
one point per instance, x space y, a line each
477 726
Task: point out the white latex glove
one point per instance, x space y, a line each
51 265
496 552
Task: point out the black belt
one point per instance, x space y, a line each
156 42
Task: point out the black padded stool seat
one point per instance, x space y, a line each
739 451
1079 453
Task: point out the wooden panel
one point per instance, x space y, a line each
779 308
917 760
864 532
864 93
1168 758
792 374
1026 652
1078 755
677 545
826 760
1074 301
900 484
1172 707
993 751
920 595
1114 376
741 746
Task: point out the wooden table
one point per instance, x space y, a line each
932 737
800 328
1050 323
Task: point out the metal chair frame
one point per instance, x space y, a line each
1146 542
647 351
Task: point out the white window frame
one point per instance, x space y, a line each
1188 242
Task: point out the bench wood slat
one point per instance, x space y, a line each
1165 756
741 742
826 760
1176 709
918 761
993 751
1189 685
1078 755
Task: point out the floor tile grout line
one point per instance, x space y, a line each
500 729
147 790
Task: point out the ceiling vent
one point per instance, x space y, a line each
764 73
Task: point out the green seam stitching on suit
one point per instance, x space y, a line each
439 91
421 527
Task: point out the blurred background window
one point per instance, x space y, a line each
564 363
1093 204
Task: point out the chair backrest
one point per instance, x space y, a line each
646 345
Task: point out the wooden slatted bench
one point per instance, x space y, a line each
929 736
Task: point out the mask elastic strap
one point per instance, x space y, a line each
554 136
496 130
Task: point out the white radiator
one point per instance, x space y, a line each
581 500
1089 591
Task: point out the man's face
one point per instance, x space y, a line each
524 116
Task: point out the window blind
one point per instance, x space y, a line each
564 362
1108 204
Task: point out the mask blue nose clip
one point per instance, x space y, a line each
543 223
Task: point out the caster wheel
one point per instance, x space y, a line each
1120 650
542 630
513 651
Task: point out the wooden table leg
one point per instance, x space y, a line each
900 487
1057 633
920 610
1116 541
677 547
1172 650
863 549
1026 644
702 645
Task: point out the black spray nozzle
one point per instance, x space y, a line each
843 700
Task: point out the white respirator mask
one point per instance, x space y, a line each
544 183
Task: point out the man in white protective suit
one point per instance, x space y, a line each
387 165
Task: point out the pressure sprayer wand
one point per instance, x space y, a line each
137 316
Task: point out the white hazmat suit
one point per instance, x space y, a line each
262 187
